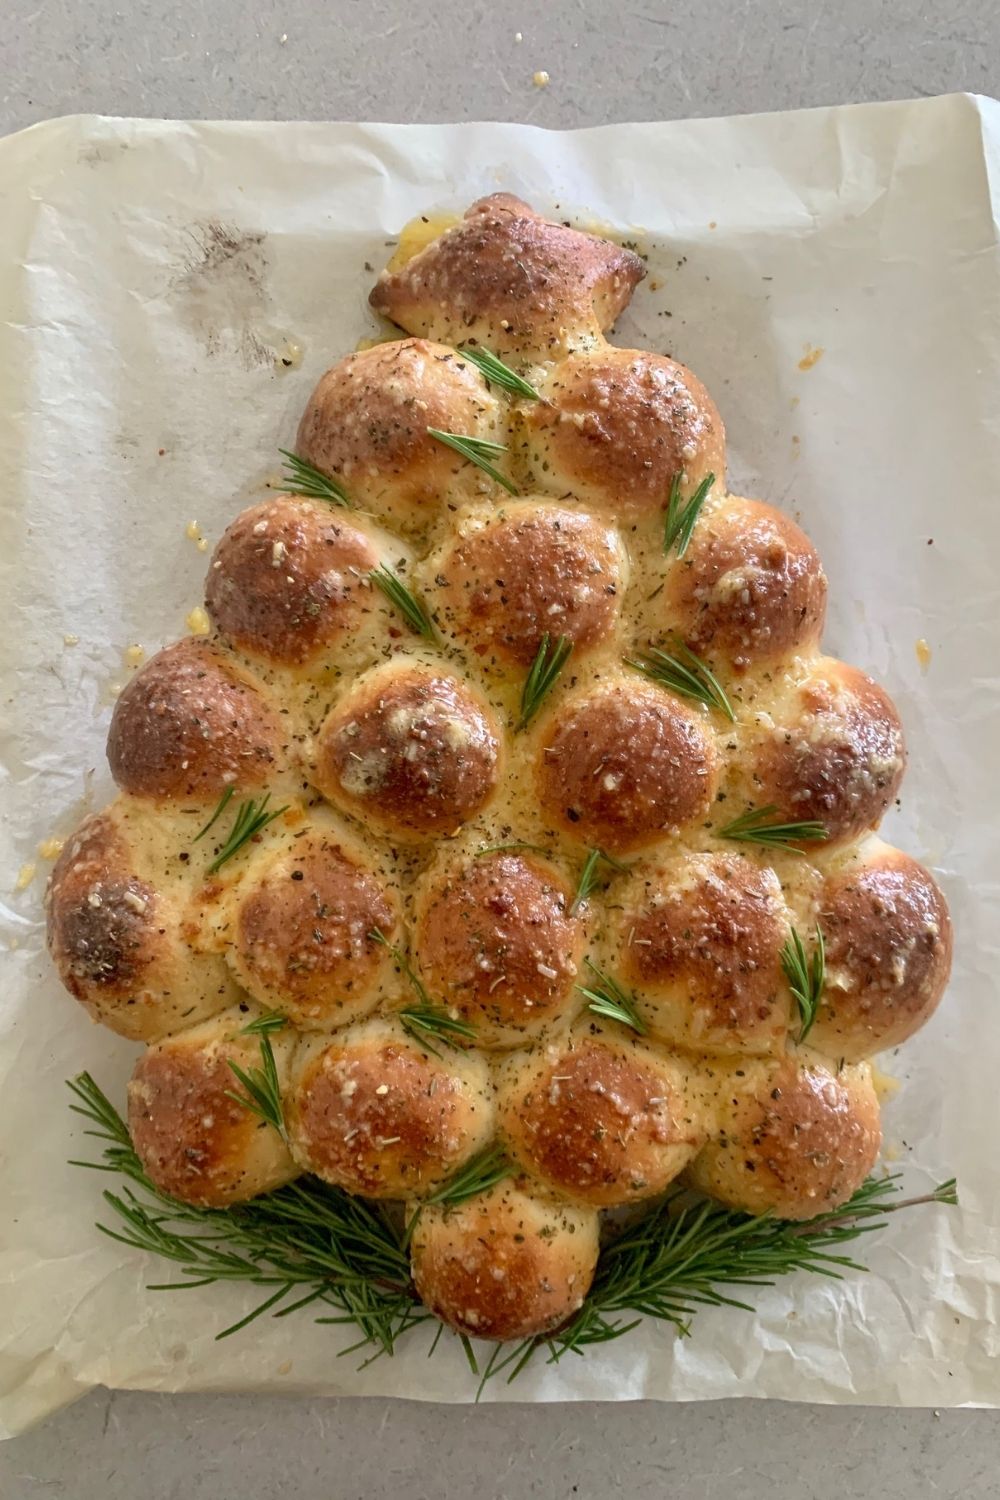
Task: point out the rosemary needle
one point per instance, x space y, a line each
495 372
686 674
409 606
478 451
541 679
609 1000
303 478
425 1020
806 979
590 875
251 818
262 1095
682 516
752 827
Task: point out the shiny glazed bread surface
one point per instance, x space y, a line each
430 843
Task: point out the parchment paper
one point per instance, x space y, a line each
151 278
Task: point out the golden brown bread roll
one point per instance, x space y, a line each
508 1264
699 938
750 587
504 581
512 280
303 939
190 724
615 428
888 942
795 1137
603 1119
413 750
126 947
195 1142
495 937
367 424
833 754
375 1112
289 580
624 765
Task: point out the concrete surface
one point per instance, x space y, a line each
456 59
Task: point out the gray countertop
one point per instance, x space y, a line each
462 59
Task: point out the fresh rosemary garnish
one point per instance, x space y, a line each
425 1019
686 674
496 372
263 1092
221 806
805 978
333 1250
482 1172
251 818
682 516
409 606
541 679
679 1257
589 875
478 451
306 1239
607 999
271 1020
752 827
302 478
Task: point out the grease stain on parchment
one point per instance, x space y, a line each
222 292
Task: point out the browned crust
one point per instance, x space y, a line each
303 943
384 1119
505 1265
189 724
750 586
513 280
889 944
838 758
289 578
413 750
705 933
494 936
537 570
799 1143
624 766
600 1124
618 426
196 1143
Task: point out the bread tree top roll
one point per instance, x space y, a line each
502 792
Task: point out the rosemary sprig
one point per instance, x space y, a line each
302 478
221 806
339 1252
271 1020
686 674
495 372
541 679
262 1095
607 999
683 1254
425 1020
590 874
682 516
478 451
752 827
306 1239
403 599
251 818
806 978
